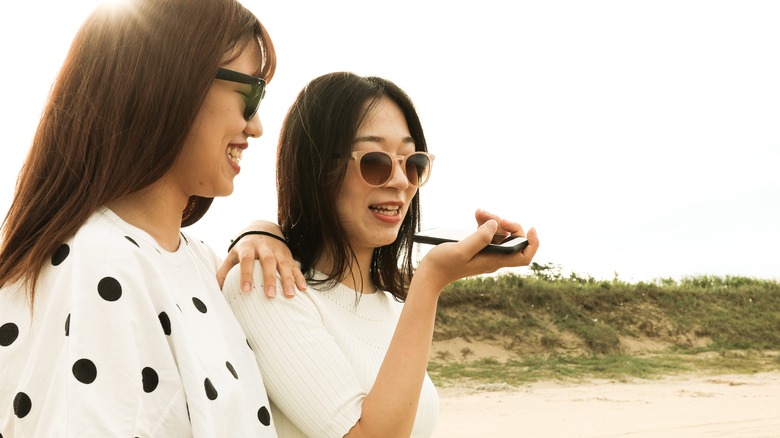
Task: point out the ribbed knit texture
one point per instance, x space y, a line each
319 354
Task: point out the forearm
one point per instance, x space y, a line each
389 408
263 225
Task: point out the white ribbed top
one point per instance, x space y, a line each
319 353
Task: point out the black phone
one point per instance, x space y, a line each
501 242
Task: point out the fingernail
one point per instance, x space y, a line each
246 287
290 291
271 291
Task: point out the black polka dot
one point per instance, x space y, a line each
211 392
264 416
132 241
60 254
22 405
67 325
109 289
8 334
84 371
150 379
231 369
199 305
165 322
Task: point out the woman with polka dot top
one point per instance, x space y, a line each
112 322
349 357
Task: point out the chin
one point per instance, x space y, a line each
216 194
224 191
387 241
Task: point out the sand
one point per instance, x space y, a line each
681 406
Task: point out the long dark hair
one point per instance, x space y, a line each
117 116
314 145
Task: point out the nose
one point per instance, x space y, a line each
254 128
398 178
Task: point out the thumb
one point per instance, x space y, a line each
482 237
489 227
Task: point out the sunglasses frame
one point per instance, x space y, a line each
251 100
358 156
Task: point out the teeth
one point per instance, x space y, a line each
234 154
386 210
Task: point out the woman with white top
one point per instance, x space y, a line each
349 357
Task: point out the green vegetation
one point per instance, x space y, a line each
550 326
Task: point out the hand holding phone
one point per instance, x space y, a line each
501 243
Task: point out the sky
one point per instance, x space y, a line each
640 138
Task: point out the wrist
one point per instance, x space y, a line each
256 232
429 279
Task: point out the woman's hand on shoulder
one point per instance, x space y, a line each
274 256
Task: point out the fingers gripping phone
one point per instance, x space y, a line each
501 243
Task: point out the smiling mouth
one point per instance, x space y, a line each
234 154
386 210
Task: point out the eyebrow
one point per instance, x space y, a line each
378 139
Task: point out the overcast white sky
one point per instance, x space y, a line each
641 138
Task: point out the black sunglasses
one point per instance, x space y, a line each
254 97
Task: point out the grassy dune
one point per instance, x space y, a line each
512 329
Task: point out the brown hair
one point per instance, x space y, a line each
314 145
117 116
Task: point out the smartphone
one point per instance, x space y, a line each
501 243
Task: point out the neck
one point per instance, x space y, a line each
155 210
358 274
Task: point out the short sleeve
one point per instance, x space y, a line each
98 363
121 364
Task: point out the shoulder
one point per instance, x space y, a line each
110 257
255 304
98 244
106 237
201 250
233 280
232 285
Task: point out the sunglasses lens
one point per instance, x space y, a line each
418 169
376 167
253 100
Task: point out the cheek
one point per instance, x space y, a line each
347 204
201 126
350 193
411 192
219 117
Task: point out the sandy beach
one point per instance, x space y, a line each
680 406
